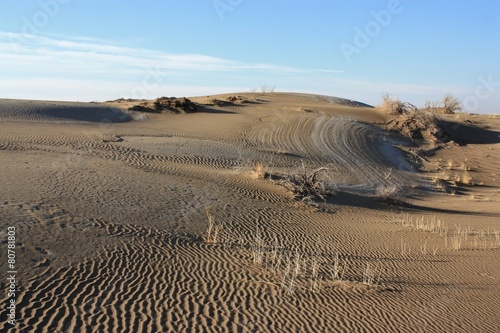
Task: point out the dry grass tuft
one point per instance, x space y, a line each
392 105
467 179
213 232
259 171
451 164
390 193
371 274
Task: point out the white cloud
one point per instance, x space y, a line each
34 48
29 62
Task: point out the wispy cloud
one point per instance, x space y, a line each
97 63
89 53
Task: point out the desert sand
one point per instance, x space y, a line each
111 210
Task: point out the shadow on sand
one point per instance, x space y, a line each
361 201
465 134
61 111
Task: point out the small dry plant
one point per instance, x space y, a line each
371 274
431 105
390 193
467 179
213 232
257 247
449 105
338 268
405 248
259 170
392 105
307 186
432 225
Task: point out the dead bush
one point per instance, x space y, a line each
390 193
175 104
307 186
162 104
259 171
392 105
451 104
415 124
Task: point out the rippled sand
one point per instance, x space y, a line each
110 214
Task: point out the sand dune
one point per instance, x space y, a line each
110 215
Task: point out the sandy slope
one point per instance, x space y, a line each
110 211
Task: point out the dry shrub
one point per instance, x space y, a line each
308 187
431 105
390 193
392 105
467 179
415 123
259 170
175 104
265 89
451 104
162 104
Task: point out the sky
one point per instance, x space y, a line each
96 50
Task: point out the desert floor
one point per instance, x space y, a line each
110 216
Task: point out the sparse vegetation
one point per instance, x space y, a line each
259 170
293 268
456 238
175 104
392 105
415 123
308 187
449 105
264 89
162 104
371 274
390 193
213 232
467 179
431 105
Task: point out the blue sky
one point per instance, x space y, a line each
100 50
